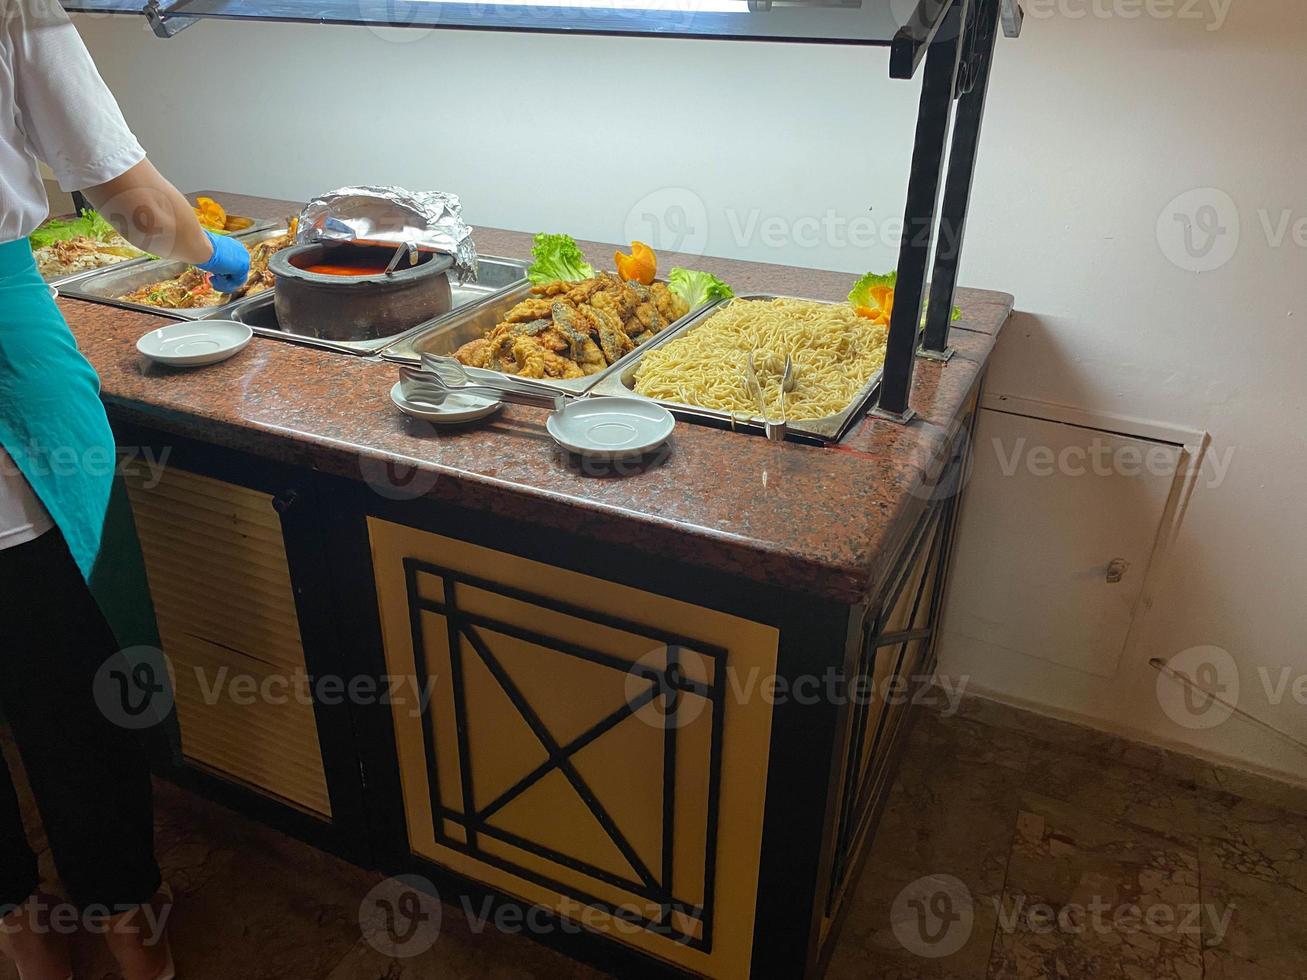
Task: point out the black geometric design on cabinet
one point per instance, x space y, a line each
668 686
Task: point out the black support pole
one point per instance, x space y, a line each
938 87
961 171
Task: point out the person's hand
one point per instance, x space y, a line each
230 264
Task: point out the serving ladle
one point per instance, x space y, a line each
406 248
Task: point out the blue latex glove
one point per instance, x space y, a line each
230 264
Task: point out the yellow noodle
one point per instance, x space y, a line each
835 352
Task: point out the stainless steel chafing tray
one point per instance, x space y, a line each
256 226
824 430
60 282
495 277
107 285
451 332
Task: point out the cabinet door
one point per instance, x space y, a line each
581 745
222 593
1055 539
895 657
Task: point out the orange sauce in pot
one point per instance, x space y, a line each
335 269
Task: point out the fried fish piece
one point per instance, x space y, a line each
534 328
536 361
581 292
571 322
649 317
534 308
580 325
671 306
614 342
551 289
475 353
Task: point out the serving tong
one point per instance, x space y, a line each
439 377
775 431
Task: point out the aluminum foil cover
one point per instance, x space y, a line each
431 220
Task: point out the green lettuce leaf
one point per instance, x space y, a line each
861 292
698 288
557 258
89 225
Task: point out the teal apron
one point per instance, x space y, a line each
53 425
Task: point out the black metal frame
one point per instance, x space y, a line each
669 683
973 84
957 70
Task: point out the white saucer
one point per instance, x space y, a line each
454 409
611 428
194 344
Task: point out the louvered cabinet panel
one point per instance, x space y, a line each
222 592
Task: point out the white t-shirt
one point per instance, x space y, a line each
22 516
55 108
61 112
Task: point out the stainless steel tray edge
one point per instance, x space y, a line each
402 351
260 224
830 429
359 348
241 309
68 280
161 269
61 281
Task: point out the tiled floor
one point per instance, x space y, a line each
1013 847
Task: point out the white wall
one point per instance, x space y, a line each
1097 122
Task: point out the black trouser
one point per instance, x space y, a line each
90 777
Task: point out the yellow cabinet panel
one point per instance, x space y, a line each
586 746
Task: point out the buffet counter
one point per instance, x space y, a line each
549 606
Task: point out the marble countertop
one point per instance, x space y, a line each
820 521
